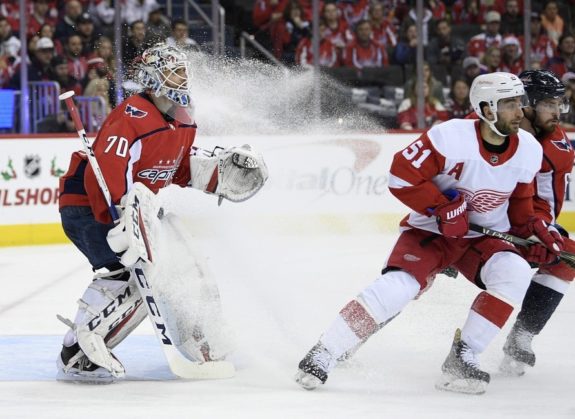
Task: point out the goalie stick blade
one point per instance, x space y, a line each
212 370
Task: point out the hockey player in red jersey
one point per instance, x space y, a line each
147 139
547 101
457 172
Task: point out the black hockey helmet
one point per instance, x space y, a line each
540 85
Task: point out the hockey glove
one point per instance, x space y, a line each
452 218
550 243
130 238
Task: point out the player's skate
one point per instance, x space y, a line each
314 367
518 352
74 366
461 371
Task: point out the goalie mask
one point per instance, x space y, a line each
165 70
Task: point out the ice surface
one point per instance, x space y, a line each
279 293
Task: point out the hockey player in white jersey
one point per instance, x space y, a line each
458 172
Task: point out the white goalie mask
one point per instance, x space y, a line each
165 70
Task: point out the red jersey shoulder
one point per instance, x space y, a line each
134 117
558 150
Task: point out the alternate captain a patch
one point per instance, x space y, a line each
135 112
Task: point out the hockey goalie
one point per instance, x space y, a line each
144 145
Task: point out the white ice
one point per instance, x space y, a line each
279 293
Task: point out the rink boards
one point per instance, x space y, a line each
332 183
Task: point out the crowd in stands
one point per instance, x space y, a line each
377 34
71 42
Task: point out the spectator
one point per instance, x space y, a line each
62 76
478 44
468 12
47 31
103 13
383 31
353 11
457 103
137 10
158 28
39 68
10 9
265 13
435 86
405 51
512 19
328 53
9 52
136 44
564 61
552 22
77 62
438 12
337 30
472 68
87 32
568 119
180 36
289 32
434 111
363 52
542 48
511 55
492 59
104 51
444 48
67 23
98 87
39 16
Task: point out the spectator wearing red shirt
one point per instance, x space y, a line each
434 111
478 44
542 49
353 11
267 12
77 62
337 30
383 30
40 16
468 12
328 54
564 61
363 51
457 103
511 55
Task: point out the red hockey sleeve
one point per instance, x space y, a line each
521 204
411 173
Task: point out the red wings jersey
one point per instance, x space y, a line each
551 181
451 155
135 144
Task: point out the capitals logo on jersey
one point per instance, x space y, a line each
135 112
562 144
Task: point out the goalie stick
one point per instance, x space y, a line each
178 363
568 258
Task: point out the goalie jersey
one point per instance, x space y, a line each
498 187
135 144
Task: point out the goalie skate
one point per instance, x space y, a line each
75 367
313 368
461 373
518 352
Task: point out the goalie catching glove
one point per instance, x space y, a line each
235 173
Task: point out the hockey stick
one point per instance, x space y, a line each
178 363
568 258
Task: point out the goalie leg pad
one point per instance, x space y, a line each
108 311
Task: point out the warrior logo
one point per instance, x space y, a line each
32 167
135 112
